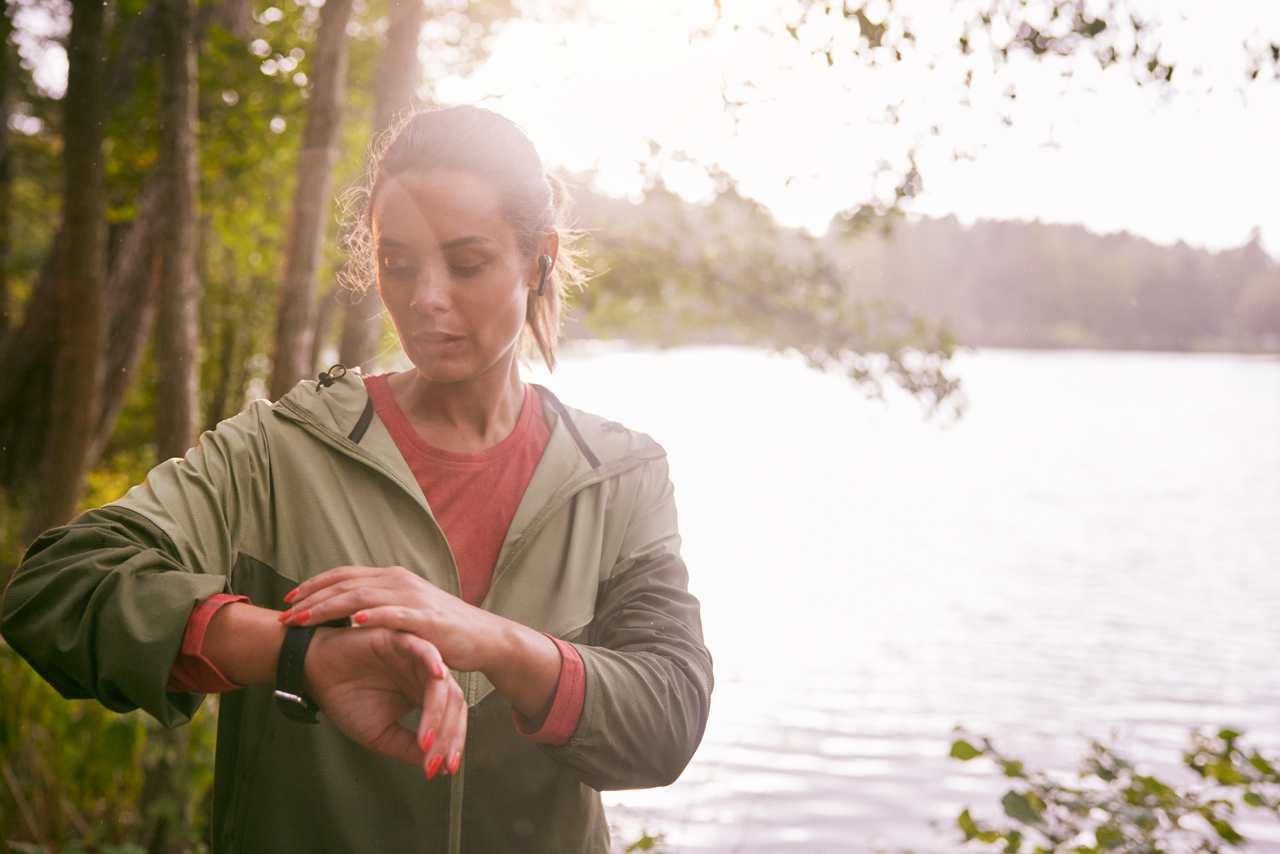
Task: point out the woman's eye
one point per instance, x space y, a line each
396 265
468 270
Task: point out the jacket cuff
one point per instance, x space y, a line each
191 670
566 709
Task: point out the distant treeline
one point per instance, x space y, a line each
1029 284
674 271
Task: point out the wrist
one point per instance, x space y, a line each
243 642
315 658
525 669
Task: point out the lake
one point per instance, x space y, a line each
1092 551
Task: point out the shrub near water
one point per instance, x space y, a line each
1114 808
77 777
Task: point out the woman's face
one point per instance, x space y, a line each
451 273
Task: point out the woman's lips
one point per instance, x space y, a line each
437 341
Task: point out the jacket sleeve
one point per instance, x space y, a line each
648 673
99 607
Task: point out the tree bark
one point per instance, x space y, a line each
395 90
228 326
295 325
133 287
77 369
6 173
177 411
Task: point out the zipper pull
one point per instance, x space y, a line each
329 377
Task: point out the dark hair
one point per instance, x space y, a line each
482 143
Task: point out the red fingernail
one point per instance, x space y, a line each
433 766
453 762
361 618
302 618
428 739
441 671
291 595
285 615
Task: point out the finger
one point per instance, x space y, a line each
398 743
340 601
433 732
400 617
445 706
453 756
335 576
380 586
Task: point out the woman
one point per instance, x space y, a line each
454 516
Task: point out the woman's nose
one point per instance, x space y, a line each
430 292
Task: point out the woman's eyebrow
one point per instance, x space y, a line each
388 243
465 241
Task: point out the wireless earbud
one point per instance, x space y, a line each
544 262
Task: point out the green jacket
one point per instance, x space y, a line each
283 492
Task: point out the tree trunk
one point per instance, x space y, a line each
229 325
77 369
295 325
177 405
6 174
395 90
133 286
28 354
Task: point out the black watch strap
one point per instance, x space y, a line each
292 700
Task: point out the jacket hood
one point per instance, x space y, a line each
581 442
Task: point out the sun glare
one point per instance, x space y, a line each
631 92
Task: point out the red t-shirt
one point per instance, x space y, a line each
474 497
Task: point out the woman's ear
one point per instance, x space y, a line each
548 249
550 245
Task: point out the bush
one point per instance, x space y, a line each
77 777
1111 808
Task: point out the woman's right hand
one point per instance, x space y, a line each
366 680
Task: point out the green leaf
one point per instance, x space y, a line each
645 843
1013 842
1225 830
973 831
1019 808
1013 768
1228 735
1253 799
1108 836
1261 764
964 751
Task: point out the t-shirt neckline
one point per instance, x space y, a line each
384 403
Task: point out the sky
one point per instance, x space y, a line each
1192 159
604 87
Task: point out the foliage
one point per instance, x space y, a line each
646 843
671 272
80 778
1113 807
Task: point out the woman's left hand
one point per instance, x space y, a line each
523 664
395 598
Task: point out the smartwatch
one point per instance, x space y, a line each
291 699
